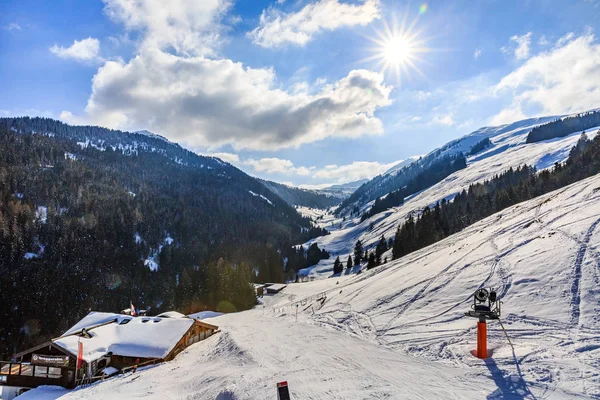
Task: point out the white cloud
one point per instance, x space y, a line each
278 28
477 53
543 41
443 120
562 80
523 43
231 158
207 102
277 166
331 173
80 50
13 26
351 172
188 27
508 115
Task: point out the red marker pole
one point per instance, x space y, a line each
481 339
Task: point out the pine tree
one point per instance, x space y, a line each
372 262
349 263
380 249
337 266
358 252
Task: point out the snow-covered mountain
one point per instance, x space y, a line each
152 135
399 331
508 149
402 164
399 177
342 190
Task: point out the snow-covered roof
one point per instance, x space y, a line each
171 314
276 286
144 337
205 314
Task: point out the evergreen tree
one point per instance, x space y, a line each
380 249
338 267
372 262
358 252
349 263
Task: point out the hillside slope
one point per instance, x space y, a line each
508 150
303 197
93 219
399 331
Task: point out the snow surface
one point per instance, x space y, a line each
402 164
171 314
399 331
147 337
41 214
205 314
261 196
509 150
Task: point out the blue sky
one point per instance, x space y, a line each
295 90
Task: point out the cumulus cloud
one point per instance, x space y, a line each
80 50
277 166
332 174
207 102
351 172
188 27
298 28
443 120
561 80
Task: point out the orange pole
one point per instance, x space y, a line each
481 339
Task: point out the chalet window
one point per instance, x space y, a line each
26 370
4 369
54 372
41 372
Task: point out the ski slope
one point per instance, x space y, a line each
399 331
509 149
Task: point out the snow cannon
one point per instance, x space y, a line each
485 306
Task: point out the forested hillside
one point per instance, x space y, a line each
484 199
384 184
84 229
430 176
562 127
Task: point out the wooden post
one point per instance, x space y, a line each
481 339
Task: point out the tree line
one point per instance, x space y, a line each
562 127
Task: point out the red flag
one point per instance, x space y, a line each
132 308
80 356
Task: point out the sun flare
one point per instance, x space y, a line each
398 49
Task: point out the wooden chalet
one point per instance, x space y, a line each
107 340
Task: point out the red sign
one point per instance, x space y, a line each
80 356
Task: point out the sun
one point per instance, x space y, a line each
398 49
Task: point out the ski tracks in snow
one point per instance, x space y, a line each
577 272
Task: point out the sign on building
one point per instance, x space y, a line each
50 361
